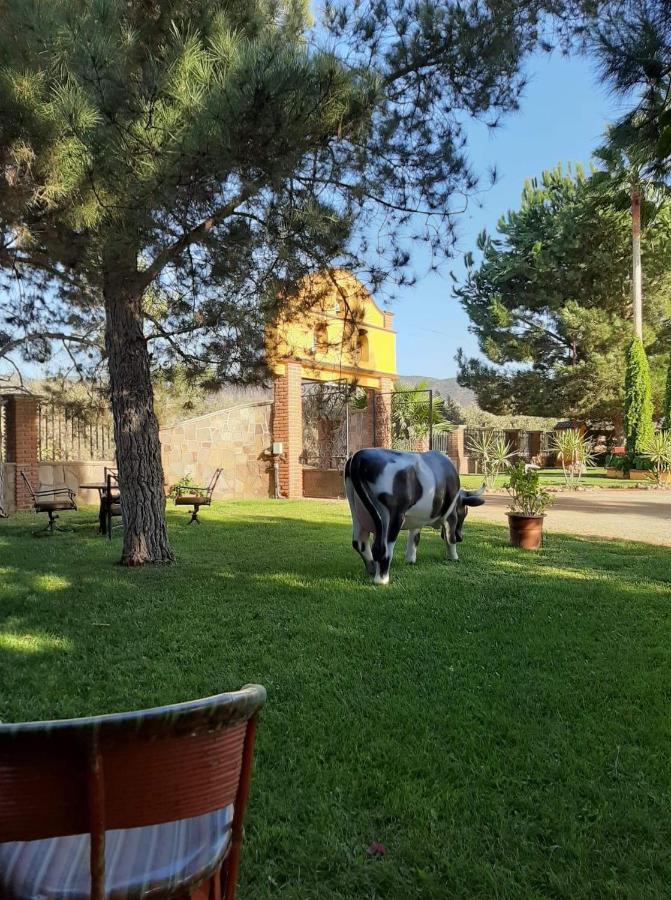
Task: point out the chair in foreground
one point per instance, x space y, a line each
51 501
197 496
139 804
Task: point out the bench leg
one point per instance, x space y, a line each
51 526
194 516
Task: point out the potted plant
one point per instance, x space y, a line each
640 468
527 508
617 466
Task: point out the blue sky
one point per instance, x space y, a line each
562 118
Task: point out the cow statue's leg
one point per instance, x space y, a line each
449 536
383 546
361 543
412 545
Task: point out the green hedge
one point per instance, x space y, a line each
638 425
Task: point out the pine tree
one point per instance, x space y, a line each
550 302
632 43
170 169
638 424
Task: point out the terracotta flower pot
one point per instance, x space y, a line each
526 532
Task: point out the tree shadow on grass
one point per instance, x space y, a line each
248 582
498 707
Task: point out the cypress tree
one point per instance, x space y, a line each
638 423
667 398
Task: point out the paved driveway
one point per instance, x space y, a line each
628 514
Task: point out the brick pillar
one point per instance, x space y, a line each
458 451
288 428
368 430
383 432
23 444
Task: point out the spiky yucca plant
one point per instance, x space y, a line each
575 452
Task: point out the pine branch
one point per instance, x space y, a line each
196 234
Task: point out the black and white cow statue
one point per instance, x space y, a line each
391 491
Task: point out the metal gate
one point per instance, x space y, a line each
404 420
69 432
325 424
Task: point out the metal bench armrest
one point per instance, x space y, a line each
54 492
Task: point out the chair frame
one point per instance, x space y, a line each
65 492
108 501
131 770
202 495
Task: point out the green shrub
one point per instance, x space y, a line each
185 482
621 462
638 425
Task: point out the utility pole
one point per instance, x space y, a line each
637 293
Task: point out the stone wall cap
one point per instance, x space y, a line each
216 412
17 391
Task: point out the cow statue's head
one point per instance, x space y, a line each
466 499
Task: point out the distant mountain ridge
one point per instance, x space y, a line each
446 387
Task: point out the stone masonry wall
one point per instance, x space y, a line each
235 439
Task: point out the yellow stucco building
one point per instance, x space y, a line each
331 330
336 330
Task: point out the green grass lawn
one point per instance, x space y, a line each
501 724
593 478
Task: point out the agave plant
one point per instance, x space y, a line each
494 454
575 452
657 449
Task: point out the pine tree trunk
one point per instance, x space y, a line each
135 425
637 291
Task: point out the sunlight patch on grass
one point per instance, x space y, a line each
31 643
51 582
286 579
